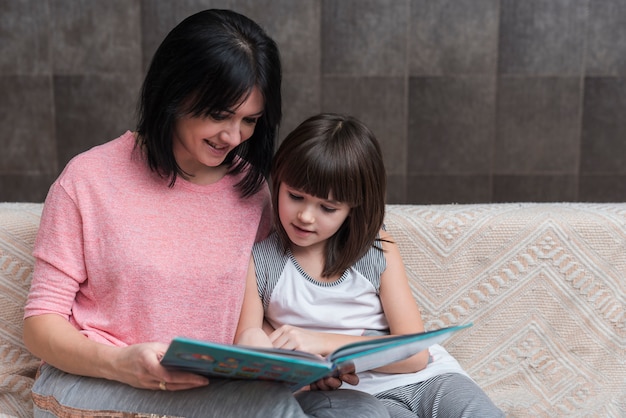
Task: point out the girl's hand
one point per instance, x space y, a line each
139 366
333 383
293 338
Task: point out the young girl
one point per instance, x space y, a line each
330 274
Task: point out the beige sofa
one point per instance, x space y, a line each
544 285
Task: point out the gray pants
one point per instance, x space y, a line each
56 393
450 395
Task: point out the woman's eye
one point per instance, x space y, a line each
251 121
219 116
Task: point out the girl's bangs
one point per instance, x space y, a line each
322 176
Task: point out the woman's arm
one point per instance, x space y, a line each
53 339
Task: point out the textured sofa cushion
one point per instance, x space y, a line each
544 284
18 226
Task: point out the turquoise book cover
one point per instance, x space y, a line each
295 368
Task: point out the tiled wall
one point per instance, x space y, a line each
473 100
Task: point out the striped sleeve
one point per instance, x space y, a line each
269 262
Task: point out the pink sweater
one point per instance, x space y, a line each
126 259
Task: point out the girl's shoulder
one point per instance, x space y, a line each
268 249
373 263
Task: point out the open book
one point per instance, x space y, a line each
295 368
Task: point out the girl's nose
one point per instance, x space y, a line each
306 215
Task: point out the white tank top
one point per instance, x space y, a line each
349 305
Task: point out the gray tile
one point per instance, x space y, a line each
25 187
602 188
159 17
301 99
364 37
603 148
92 110
379 102
451 125
95 36
452 37
396 189
26 125
295 26
429 189
538 125
24 37
535 188
606 38
542 37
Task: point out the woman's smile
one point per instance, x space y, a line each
218 150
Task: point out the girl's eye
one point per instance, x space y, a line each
294 196
328 209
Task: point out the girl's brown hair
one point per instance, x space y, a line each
338 154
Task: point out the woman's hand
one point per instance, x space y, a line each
139 366
54 340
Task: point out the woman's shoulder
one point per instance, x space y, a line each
104 154
106 164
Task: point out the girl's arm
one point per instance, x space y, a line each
401 311
250 328
290 337
399 307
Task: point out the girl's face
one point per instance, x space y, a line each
308 220
202 143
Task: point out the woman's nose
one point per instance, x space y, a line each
231 133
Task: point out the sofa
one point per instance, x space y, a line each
544 285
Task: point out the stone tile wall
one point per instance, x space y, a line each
472 100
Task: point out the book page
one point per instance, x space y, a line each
371 354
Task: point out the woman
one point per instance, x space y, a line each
148 236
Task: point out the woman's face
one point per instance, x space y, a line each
202 143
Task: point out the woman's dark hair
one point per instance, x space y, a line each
209 63
335 154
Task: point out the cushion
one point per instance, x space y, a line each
544 285
18 227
